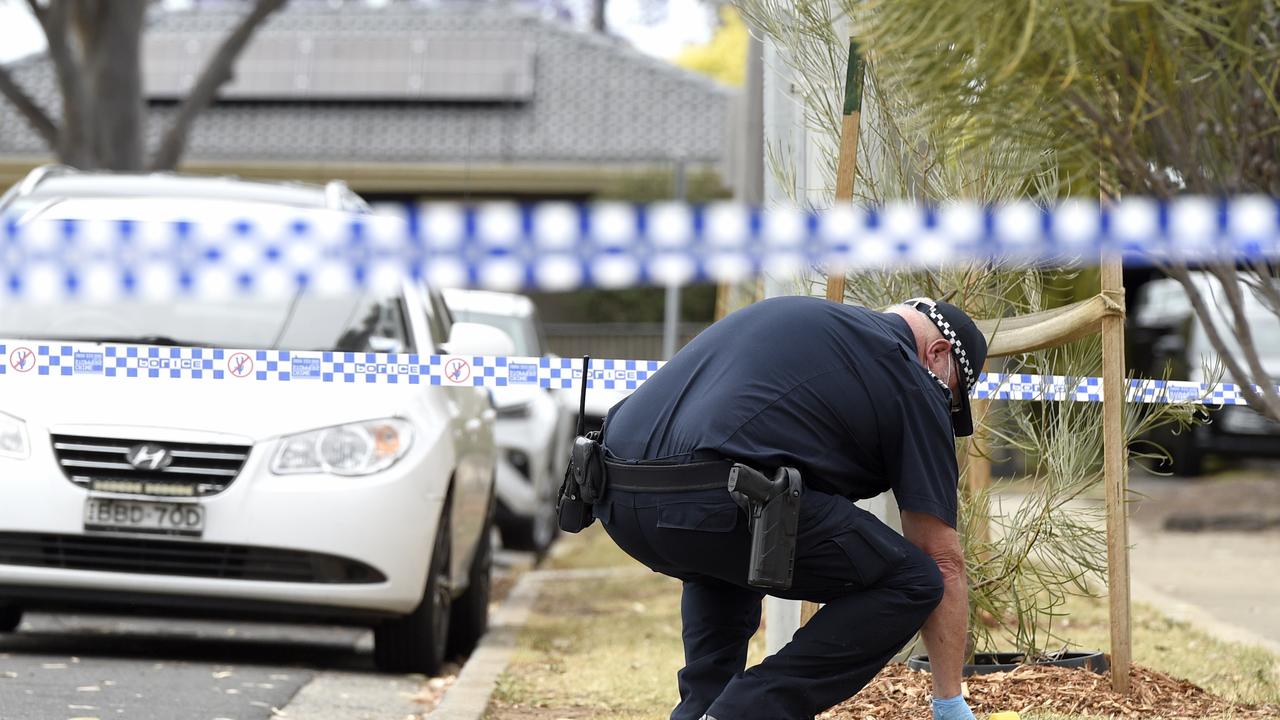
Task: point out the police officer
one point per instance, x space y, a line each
858 401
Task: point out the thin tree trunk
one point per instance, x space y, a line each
216 73
112 39
73 147
1178 271
598 23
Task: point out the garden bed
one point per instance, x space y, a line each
898 693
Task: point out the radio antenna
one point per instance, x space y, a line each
582 401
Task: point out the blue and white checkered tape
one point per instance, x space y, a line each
562 246
24 359
21 358
1000 386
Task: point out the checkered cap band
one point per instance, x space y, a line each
957 347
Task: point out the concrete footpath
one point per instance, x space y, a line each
1225 581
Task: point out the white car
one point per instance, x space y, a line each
533 429
354 503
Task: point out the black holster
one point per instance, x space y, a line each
774 508
584 484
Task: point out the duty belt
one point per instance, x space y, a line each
633 477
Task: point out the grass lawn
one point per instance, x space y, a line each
609 646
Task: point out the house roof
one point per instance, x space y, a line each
577 98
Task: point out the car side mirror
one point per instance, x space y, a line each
476 339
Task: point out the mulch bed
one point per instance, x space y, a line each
901 694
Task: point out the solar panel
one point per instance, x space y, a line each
296 66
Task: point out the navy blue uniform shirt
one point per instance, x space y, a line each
833 390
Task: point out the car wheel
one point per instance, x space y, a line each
417 641
470 617
10 618
531 534
1187 459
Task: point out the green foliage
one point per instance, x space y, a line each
1161 95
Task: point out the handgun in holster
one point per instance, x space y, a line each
774 507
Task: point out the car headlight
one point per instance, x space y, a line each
357 449
13 438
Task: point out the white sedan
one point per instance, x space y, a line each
533 430
298 500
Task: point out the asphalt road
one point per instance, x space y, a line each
99 667
70 666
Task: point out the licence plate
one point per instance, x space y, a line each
143 516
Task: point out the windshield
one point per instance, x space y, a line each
520 329
354 322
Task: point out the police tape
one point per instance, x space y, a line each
563 246
127 362
19 358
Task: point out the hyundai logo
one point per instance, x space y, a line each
149 457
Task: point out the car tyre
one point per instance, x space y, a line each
531 534
417 641
10 618
470 618
1187 459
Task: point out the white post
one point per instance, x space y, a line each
671 308
788 135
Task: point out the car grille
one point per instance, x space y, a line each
102 464
177 557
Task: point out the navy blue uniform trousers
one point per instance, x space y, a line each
878 589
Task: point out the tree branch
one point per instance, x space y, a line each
1265 284
216 73
1178 270
34 114
39 12
1226 274
73 140
1125 154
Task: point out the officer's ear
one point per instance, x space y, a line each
938 349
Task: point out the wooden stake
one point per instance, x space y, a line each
847 163
724 297
846 170
1115 475
977 468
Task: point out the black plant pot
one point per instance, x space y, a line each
985 663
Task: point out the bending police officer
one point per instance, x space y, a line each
859 402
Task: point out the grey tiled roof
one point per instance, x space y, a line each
595 100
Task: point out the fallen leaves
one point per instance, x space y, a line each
431 691
901 694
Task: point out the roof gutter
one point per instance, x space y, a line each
449 179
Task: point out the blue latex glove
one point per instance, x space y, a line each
952 709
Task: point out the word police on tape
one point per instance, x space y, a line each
190 363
